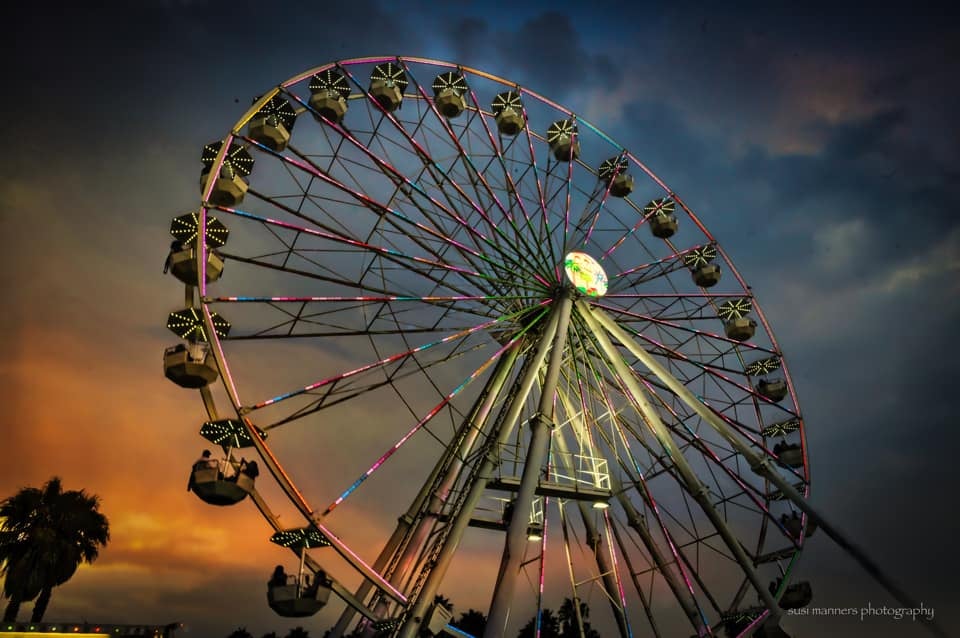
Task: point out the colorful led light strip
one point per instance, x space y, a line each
382 362
424 420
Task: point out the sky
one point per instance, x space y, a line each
819 146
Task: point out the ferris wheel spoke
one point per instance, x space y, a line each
340 392
621 157
684 596
518 237
396 306
380 316
717 373
540 195
638 587
423 422
759 464
632 317
509 183
406 262
390 214
316 172
402 184
677 388
440 178
751 491
721 382
400 356
648 272
693 486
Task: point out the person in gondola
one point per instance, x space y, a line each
175 246
278 578
206 461
311 588
250 469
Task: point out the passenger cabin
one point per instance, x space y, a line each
561 136
329 91
229 187
183 265
796 596
269 131
613 172
297 597
740 328
450 103
663 225
789 454
773 389
706 275
192 367
215 487
508 112
793 523
448 94
659 214
330 104
387 83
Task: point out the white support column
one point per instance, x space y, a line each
541 424
450 466
416 615
695 488
683 595
759 464
608 577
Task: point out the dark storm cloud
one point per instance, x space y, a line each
545 53
819 146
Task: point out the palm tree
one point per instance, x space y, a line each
549 626
44 536
298 632
568 620
471 621
562 624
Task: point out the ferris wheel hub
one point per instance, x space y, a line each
585 273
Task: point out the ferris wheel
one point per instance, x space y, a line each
427 292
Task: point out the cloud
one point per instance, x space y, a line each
823 159
544 53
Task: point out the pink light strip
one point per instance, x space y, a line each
350 242
663 527
386 299
423 153
373 468
480 176
616 571
382 362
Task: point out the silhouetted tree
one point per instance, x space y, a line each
549 626
44 536
272 634
562 624
568 620
443 601
471 621
240 632
298 632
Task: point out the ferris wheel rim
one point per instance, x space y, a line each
236 134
